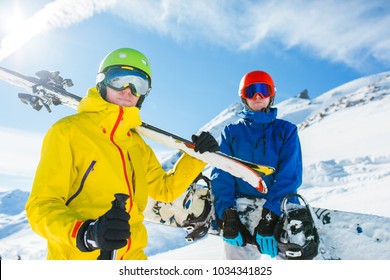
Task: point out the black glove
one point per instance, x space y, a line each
264 233
109 232
267 223
234 232
205 142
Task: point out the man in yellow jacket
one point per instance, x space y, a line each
88 157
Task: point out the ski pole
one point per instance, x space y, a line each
120 203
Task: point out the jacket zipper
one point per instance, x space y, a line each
264 143
90 168
119 119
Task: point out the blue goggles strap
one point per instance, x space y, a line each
119 78
264 90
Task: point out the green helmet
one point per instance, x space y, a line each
127 57
123 57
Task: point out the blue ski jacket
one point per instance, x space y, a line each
261 138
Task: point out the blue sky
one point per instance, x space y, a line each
199 50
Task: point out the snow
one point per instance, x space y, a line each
344 135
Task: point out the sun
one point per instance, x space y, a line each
18 31
12 19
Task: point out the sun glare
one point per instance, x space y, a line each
18 31
12 19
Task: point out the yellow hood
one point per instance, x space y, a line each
94 103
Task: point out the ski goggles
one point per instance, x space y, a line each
119 78
264 90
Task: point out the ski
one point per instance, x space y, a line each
49 89
250 172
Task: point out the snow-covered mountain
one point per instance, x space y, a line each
344 136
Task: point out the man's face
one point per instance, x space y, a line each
122 98
258 103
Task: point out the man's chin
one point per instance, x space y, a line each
126 103
258 108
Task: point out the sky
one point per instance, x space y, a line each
198 50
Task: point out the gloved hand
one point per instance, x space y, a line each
205 142
109 232
264 233
234 232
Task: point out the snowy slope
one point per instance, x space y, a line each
344 135
345 147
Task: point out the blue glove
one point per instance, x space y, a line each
237 241
234 231
267 245
264 233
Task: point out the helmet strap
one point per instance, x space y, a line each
140 101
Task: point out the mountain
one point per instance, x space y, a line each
344 136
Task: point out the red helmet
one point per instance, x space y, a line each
256 77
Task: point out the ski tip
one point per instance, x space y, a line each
189 145
262 187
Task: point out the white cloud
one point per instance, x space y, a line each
344 31
351 32
56 14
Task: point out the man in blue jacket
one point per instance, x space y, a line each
261 138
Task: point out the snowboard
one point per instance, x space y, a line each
342 235
49 89
351 235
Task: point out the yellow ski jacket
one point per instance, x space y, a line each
88 157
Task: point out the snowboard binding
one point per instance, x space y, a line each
197 223
192 212
295 232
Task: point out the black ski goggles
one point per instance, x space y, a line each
264 90
121 77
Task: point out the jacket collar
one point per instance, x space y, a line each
260 117
113 118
